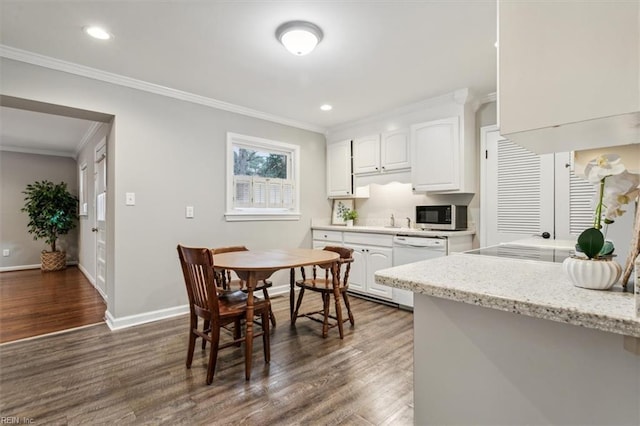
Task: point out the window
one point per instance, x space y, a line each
262 179
84 210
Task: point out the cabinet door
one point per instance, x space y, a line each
517 194
378 258
524 194
435 155
366 154
357 275
394 150
339 169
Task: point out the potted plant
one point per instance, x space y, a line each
349 216
53 212
596 268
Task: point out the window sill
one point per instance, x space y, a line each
254 216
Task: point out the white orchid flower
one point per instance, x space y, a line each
624 183
604 166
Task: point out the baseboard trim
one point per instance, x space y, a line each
19 268
27 267
92 281
138 319
87 275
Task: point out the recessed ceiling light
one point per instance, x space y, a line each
326 107
97 32
299 37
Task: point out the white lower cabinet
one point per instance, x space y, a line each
371 252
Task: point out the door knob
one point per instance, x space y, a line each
94 229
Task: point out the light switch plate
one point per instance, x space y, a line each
189 212
130 198
6 252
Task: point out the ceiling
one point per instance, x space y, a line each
42 133
375 55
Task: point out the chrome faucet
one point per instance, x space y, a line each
408 222
393 220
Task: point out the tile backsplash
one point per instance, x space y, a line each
399 200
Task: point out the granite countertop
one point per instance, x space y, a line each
394 231
532 288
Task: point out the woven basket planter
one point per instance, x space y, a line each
53 261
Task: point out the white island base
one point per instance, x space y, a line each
474 365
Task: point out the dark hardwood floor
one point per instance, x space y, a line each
33 303
138 375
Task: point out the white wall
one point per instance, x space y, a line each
171 153
17 170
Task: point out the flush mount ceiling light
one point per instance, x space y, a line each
326 107
299 37
97 32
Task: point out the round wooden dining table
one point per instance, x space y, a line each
255 265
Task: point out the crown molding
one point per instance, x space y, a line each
460 97
36 151
96 74
489 97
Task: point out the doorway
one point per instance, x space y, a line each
525 194
88 278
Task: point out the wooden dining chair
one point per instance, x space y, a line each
227 283
325 287
199 277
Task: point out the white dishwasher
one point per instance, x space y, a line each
414 249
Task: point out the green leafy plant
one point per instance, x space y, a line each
349 215
52 210
616 188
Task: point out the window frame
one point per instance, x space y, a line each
83 190
233 213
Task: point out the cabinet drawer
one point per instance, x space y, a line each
368 239
335 236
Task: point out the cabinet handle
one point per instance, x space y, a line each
382 167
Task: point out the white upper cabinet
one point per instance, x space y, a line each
568 74
395 150
339 178
366 154
436 150
443 154
381 153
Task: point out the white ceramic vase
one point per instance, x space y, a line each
600 274
349 222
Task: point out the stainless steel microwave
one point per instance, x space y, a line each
449 217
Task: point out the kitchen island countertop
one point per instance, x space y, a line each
536 289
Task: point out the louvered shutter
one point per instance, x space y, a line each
287 194
242 191
274 189
518 189
259 189
581 206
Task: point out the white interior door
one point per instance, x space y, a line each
517 198
100 182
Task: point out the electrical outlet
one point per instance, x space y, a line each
6 252
189 212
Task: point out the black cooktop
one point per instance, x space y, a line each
514 251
